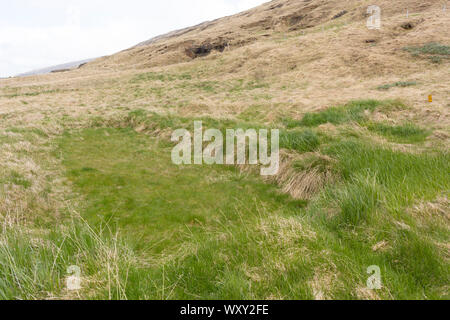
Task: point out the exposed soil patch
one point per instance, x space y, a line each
205 48
407 25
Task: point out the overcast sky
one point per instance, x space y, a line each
41 33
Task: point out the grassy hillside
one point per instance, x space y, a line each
87 178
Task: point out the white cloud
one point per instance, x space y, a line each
41 33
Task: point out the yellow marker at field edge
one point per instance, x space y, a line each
430 98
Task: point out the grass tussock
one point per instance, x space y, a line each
303 178
35 265
374 175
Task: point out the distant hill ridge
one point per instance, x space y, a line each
60 67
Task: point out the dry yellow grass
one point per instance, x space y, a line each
322 63
306 182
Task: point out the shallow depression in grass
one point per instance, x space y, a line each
195 224
211 232
132 182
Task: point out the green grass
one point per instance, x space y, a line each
290 123
31 94
353 111
130 182
430 48
433 51
356 112
19 180
376 187
150 121
13 177
37 245
252 114
301 141
401 84
241 85
405 133
28 132
200 245
371 171
155 76
35 265
153 230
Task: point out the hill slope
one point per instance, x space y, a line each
57 68
87 178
